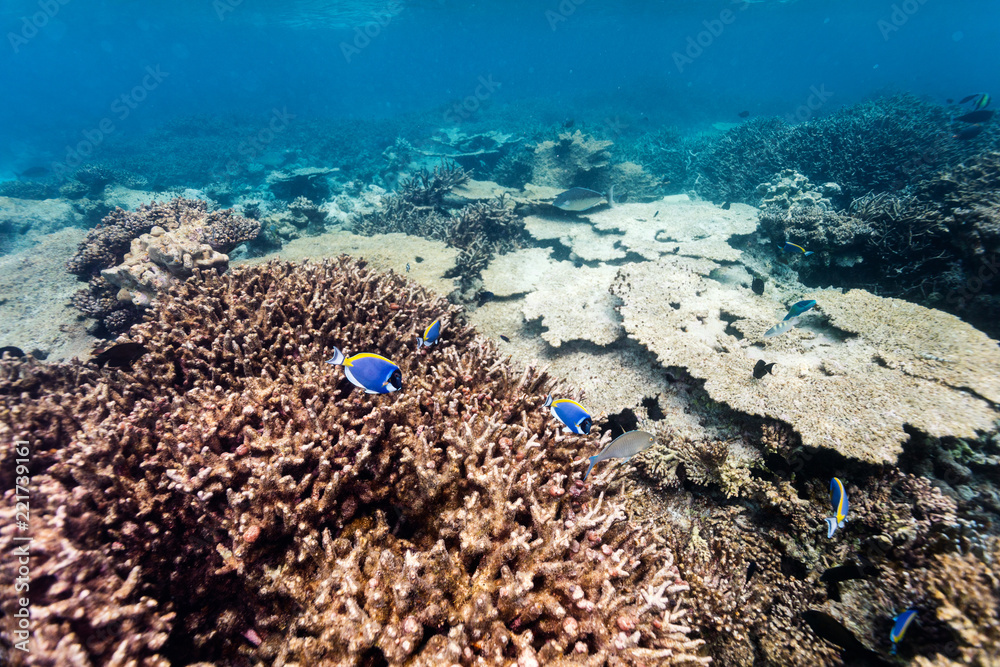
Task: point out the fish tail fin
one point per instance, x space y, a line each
808 252
611 197
831 527
548 401
593 460
338 357
770 367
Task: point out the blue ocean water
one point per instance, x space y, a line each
78 71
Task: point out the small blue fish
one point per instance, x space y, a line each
407 267
841 506
902 622
571 414
799 308
374 374
624 446
792 247
778 329
431 334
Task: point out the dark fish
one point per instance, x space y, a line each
950 101
34 172
743 114
751 570
828 628
11 351
762 369
849 571
656 214
727 206
967 133
122 355
580 199
757 286
979 100
569 123
504 338
978 116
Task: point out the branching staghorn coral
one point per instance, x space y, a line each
258 510
428 188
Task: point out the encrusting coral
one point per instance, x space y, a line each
167 243
241 504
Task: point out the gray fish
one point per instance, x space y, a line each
580 199
624 446
779 328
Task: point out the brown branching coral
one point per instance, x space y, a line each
428 188
256 510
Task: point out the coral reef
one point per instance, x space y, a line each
479 230
573 160
179 237
246 508
793 209
309 182
304 214
28 189
852 375
428 188
100 301
879 145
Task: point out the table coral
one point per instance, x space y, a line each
845 380
256 511
573 160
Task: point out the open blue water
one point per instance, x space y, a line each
680 63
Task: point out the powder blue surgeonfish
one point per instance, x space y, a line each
624 446
902 622
799 308
431 334
841 506
571 414
374 374
794 247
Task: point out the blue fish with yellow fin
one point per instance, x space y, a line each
902 622
371 372
571 414
799 308
841 506
431 334
794 247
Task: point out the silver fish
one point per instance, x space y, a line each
624 446
779 328
580 199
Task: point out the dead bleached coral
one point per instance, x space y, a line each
575 304
573 160
847 381
256 511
